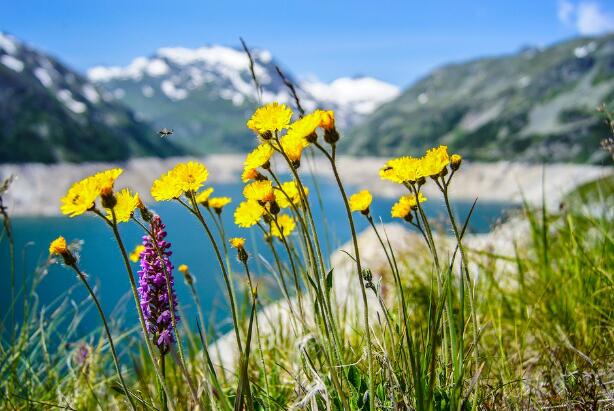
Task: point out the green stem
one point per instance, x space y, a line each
107 331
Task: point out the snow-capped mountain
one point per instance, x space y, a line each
49 113
206 94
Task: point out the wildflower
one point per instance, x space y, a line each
135 255
289 190
327 122
259 191
455 161
239 244
80 197
203 196
153 291
293 144
249 174
305 128
146 215
407 203
58 246
125 204
106 179
435 161
217 203
270 119
259 157
283 226
402 170
190 176
185 270
248 213
361 201
166 188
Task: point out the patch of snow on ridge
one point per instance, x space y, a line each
12 63
8 43
91 94
365 94
218 55
173 92
43 76
65 96
136 70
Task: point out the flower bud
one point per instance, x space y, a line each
267 135
455 161
331 136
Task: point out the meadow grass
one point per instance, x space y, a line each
440 325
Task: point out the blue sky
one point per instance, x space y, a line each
397 41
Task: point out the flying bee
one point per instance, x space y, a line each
165 132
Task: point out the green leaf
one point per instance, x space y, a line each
354 377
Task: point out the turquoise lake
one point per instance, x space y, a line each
101 260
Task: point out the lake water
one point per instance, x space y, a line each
101 260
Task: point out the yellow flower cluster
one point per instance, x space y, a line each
237 242
288 193
58 246
135 255
410 169
361 201
282 226
407 203
182 179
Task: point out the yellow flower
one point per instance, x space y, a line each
80 197
455 161
135 255
237 242
249 174
259 156
248 213
183 268
190 176
259 191
306 126
402 169
293 144
204 195
218 202
166 188
435 160
58 246
361 201
327 120
125 206
106 179
286 226
270 118
289 190
402 208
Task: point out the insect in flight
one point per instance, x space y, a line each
165 132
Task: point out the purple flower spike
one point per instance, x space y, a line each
153 290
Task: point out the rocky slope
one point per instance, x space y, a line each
535 105
50 113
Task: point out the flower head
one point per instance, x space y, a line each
249 174
435 160
80 197
283 225
403 207
58 246
190 176
270 118
248 213
106 179
203 196
361 201
305 127
135 255
327 119
124 207
287 192
183 268
293 144
237 242
156 270
259 191
217 203
166 188
402 170
455 161
259 157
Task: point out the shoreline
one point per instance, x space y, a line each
38 187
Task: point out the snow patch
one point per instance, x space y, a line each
172 92
119 93
43 76
12 63
213 55
583 51
91 93
147 91
65 96
423 98
139 67
8 43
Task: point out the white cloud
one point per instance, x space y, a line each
586 17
